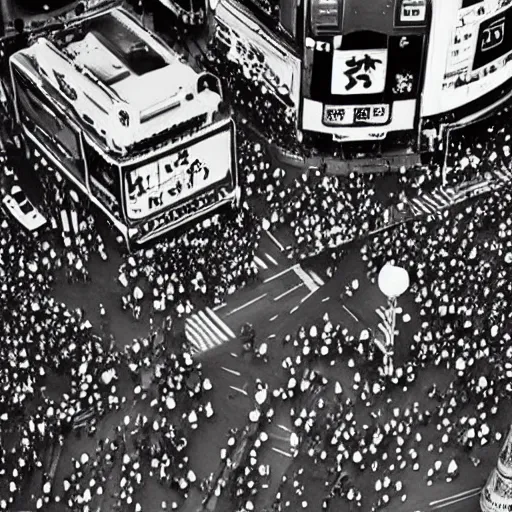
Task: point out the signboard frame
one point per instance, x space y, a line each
127 168
400 5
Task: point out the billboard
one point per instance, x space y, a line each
410 13
476 41
189 169
494 39
262 56
359 71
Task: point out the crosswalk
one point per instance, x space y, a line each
503 174
309 278
265 261
433 202
205 330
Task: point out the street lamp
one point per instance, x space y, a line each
393 281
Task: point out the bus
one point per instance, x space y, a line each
132 126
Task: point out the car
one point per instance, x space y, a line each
22 209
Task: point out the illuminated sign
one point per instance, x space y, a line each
494 39
158 185
359 71
411 12
350 115
478 53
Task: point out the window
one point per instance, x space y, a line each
103 180
48 125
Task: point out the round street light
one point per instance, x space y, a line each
393 281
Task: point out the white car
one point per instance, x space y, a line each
22 209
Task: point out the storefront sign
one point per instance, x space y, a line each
494 39
350 115
476 42
158 185
411 12
359 71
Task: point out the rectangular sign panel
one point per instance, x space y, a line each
359 71
470 53
158 185
261 55
494 39
411 12
350 115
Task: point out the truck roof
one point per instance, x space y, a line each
110 64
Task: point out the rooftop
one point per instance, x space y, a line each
125 59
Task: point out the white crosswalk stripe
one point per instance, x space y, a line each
205 330
306 278
265 261
260 263
503 174
420 206
318 280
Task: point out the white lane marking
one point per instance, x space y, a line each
276 276
287 292
220 323
195 337
318 280
232 354
272 260
449 498
279 438
306 278
449 503
229 370
212 326
350 313
281 452
326 299
284 427
273 318
304 299
208 333
275 240
260 262
294 309
247 304
239 390
193 324
219 306
271 336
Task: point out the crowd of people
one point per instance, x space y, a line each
480 149
206 263
43 340
252 100
353 431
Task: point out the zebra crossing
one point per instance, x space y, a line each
503 174
433 202
205 330
266 261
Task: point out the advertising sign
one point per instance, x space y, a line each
349 115
494 39
261 55
476 40
155 186
359 71
411 12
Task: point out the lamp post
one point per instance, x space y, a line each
497 492
393 282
